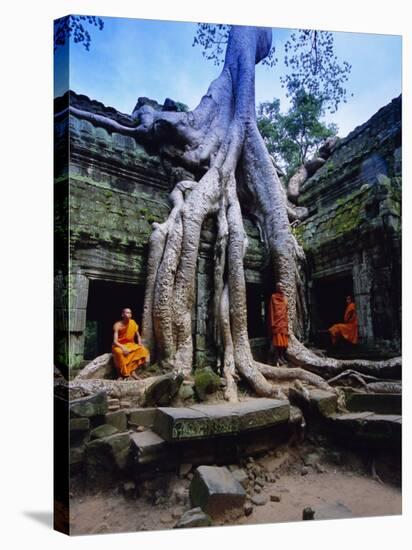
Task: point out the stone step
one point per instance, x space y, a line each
381 403
382 429
321 403
364 426
147 447
87 407
141 416
204 421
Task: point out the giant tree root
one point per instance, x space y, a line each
114 388
328 367
220 142
369 383
99 368
286 374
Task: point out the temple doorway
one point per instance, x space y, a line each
329 303
105 301
255 302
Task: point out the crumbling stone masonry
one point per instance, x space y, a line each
352 237
111 189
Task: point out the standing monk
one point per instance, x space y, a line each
128 351
278 316
348 330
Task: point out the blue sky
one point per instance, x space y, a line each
131 58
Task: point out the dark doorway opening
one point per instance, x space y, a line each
255 303
105 303
329 302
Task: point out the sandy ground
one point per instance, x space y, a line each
344 489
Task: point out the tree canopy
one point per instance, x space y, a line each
75 26
294 137
311 64
225 159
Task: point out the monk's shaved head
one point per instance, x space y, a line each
126 313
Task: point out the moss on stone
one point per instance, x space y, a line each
344 216
298 231
206 382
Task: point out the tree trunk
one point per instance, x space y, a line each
220 138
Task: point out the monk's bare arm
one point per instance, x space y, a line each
116 339
138 338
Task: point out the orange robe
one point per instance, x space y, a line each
126 336
349 328
278 316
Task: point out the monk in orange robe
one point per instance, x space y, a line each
278 317
348 330
128 350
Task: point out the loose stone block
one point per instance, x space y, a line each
241 476
259 500
103 431
184 469
215 490
326 402
129 489
176 424
163 390
248 509
94 405
141 417
117 419
311 459
76 455
308 513
107 455
194 518
147 446
186 392
79 431
79 424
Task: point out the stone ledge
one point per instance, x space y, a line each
181 423
381 403
384 430
202 421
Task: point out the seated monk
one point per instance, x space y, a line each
278 317
348 330
128 351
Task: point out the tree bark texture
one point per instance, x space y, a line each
220 141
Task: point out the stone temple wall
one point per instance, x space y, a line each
354 227
108 191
